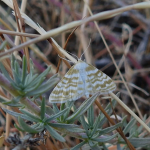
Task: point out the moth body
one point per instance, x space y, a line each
81 66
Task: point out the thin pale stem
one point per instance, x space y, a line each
133 100
130 111
19 33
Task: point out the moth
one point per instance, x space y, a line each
81 79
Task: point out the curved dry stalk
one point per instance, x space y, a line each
19 33
99 16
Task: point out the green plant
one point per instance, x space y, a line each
26 89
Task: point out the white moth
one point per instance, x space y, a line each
81 79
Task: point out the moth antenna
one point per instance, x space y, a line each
72 54
65 59
86 49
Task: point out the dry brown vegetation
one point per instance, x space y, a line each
119 33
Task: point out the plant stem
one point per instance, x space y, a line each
112 122
4 82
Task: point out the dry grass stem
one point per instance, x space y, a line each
130 111
116 65
99 16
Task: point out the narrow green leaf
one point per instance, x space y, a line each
35 125
3 45
12 61
57 115
27 80
77 147
62 125
45 73
90 116
109 111
16 86
96 125
21 93
110 129
95 135
133 131
105 139
69 104
129 126
35 118
92 144
39 82
62 107
54 133
18 114
77 130
141 126
12 104
49 110
17 99
25 127
44 87
40 127
138 142
96 147
31 81
84 123
16 77
43 109
82 109
3 99
18 128
55 108
17 67
5 72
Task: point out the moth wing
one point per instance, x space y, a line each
68 88
98 81
74 89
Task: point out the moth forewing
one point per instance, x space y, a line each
81 79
